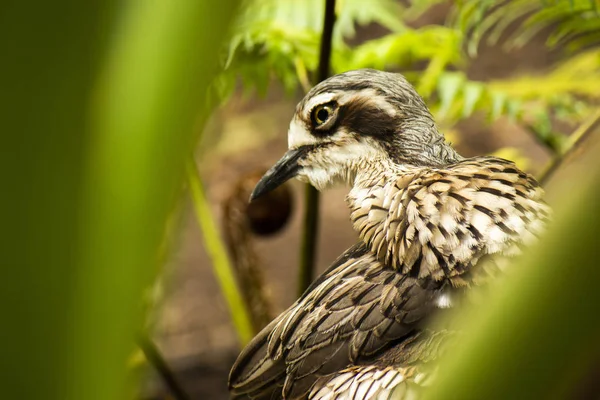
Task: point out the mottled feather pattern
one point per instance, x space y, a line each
355 312
438 222
368 382
422 222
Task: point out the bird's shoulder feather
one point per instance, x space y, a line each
438 222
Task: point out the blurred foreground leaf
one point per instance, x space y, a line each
49 61
87 198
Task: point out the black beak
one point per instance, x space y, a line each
285 169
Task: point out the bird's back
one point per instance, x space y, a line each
438 222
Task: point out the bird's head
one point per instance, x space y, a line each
352 120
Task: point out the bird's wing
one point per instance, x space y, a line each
352 313
442 221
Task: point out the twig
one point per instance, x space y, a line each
325 51
578 137
218 254
156 359
311 195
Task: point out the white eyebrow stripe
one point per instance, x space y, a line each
371 95
319 99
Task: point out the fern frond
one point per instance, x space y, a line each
270 38
402 50
576 23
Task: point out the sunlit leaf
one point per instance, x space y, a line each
498 103
448 87
571 21
472 94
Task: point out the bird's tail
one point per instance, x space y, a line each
255 374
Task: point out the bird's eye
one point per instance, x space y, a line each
321 114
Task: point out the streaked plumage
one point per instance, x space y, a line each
437 222
426 218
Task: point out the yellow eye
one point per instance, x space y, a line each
321 114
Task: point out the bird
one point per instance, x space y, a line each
431 225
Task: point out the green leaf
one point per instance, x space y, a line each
448 87
566 17
472 94
498 104
514 109
102 99
222 268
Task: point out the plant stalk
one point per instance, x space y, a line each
156 359
216 250
578 137
310 230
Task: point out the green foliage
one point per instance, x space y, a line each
576 23
279 40
565 91
96 132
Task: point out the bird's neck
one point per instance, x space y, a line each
379 187
377 173
374 192
375 201
417 141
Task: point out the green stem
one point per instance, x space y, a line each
156 359
218 254
310 231
575 140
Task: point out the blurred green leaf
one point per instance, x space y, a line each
51 54
97 134
514 108
448 87
498 103
401 50
574 22
148 96
472 94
